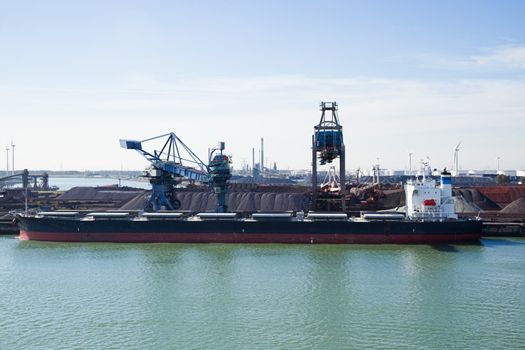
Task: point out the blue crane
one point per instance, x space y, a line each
175 161
327 145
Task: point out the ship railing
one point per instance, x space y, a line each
318 216
88 215
372 216
108 215
215 216
286 216
59 214
162 215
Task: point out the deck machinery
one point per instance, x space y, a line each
176 161
327 145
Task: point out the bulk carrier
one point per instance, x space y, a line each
429 218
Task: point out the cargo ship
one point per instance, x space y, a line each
428 218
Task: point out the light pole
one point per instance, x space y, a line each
498 165
13 156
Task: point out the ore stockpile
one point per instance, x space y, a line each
251 197
241 198
97 198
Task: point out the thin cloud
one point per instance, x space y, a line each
511 57
381 118
505 58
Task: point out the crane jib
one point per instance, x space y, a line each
186 172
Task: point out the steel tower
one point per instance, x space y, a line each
327 145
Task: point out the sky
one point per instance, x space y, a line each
408 76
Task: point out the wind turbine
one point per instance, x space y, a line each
456 158
410 163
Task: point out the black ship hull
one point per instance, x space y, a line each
248 231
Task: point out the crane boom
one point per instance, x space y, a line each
175 161
171 157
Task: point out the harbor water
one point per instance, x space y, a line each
65 183
220 296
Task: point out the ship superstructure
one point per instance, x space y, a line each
427 201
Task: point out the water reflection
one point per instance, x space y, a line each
501 242
260 296
445 248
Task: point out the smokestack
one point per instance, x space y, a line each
447 201
253 159
262 154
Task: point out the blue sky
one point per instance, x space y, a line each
409 76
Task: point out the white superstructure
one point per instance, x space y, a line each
426 201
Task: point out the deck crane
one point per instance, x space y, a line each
175 161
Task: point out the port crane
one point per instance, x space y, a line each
327 145
175 161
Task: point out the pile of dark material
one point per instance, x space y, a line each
101 193
464 206
136 203
516 207
472 195
243 198
103 197
393 198
503 195
245 201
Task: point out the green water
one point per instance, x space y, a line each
174 296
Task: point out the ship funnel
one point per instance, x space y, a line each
446 183
446 195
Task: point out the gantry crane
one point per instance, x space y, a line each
176 161
327 145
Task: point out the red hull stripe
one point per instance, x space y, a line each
335 238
